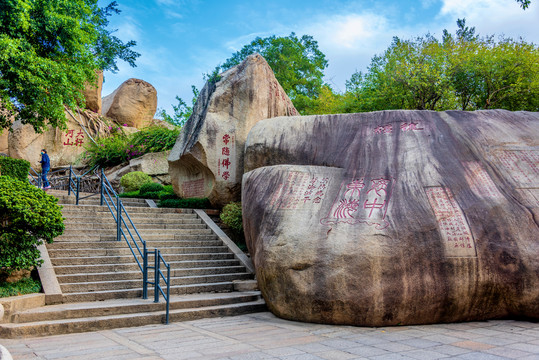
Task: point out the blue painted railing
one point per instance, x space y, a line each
137 245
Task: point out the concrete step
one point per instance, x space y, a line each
177 265
97 202
58 245
67 326
109 223
135 293
129 259
124 284
58 253
106 216
131 306
135 274
130 209
165 234
180 229
148 238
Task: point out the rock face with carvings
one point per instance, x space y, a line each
207 160
395 217
133 103
63 146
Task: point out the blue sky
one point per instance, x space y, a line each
179 40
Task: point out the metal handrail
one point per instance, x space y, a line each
137 245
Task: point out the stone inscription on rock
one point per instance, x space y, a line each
480 182
193 188
226 155
73 139
300 190
522 165
362 200
454 229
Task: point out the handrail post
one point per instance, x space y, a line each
118 219
168 292
145 273
101 187
78 190
69 181
156 283
39 179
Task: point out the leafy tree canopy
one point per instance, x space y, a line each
462 71
49 50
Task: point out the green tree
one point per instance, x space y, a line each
298 64
49 50
464 71
182 111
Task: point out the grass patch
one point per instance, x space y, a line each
21 287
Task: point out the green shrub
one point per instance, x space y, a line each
134 180
21 287
27 216
15 168
120 148
150 187
130 194
231 216
169 189
191 203
167 196
151 195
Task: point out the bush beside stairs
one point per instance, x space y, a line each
101 285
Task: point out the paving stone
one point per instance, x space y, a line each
367 351
394 347
420 342
508 353
450 350
284 351
313 348
339 344
531 348
473 345
425 354
475 355
336 355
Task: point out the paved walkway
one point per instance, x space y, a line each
263 336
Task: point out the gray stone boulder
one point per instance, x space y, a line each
207 159
395 217
133 103
92 93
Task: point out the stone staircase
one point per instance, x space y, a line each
101 284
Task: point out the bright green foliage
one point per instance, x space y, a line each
15 168
298 64
524 3
49 50
134 180
182 111
150 187
191 203
231 216
463 71
120 148
21 287
27 216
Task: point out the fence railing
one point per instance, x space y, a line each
125 228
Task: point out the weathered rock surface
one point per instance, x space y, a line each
133 103
92 93
207 160
63 146
395 217
153 164
4 141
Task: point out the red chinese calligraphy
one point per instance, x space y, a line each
226 175
226 139
226 163
410 126
225 151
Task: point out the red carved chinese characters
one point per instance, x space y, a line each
522 166
353 207
388 128
225 158
70 136
453 226
480 182
299 190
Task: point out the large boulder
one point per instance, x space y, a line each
63 146
207 159
133 103
92 93
395 217
4 141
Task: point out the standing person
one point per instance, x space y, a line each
45 167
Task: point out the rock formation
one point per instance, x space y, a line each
153 164
395 217
207 160
133 103
92 93
63 146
